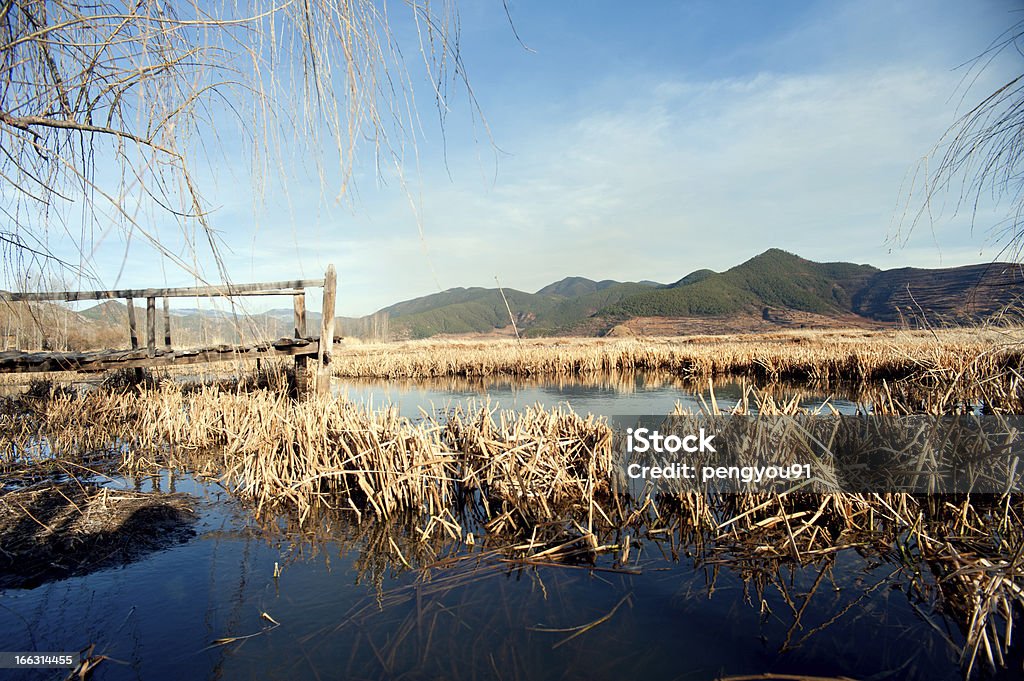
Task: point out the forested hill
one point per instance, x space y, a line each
769 286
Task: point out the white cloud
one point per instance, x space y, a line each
694 174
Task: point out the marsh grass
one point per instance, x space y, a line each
824 356
532 488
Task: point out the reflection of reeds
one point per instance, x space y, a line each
535 486
767 542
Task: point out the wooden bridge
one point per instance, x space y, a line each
300 345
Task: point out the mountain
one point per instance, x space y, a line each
773 290
770 290
573 287
108 312
554 308
571 315
952 295
461 311
774 279
192 326
693 278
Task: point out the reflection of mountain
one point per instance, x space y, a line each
768 291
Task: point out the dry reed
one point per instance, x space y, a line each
960 355
537 485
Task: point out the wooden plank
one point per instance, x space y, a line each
323 379
272 288
132 328
291 342
167 323
151 326
299 331
39 362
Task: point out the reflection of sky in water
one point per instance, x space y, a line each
157 618
633 395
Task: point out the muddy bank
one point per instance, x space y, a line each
59 530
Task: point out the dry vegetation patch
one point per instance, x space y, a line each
964 355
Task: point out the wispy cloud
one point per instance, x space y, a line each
702 153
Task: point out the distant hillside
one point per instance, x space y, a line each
482 310
775 287
573 287
460 311
194 327
775 279
693 278
955 295
570 314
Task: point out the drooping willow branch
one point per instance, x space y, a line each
982 154
109 109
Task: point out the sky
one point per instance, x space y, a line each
631 144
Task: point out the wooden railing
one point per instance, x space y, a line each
295 288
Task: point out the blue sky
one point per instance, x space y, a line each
632 142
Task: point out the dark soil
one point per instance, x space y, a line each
59 530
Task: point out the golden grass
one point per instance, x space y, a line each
275 451
537 485
967 354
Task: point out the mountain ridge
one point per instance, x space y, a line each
773 285
773 289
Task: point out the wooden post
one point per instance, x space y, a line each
151 326
132 329
323 379
299 303
167 324
301 375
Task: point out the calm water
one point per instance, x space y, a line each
349 609
344 612
635 394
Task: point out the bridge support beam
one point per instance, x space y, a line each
323 378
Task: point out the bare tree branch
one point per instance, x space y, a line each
110 109
981 156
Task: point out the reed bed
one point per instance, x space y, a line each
276 451
961 355
541 487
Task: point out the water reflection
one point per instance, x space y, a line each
605 394
385 600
